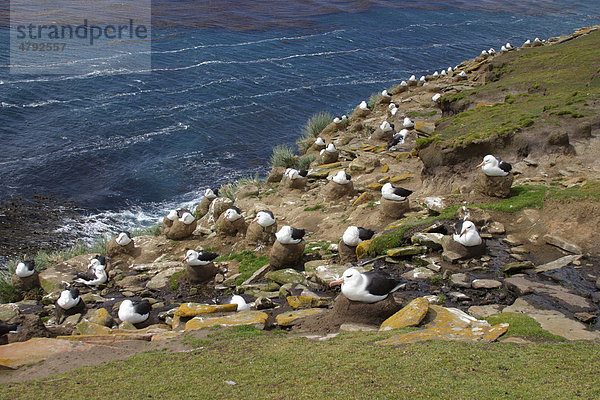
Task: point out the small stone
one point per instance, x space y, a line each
458 296
460 280
435 204
519 250
100 316
284 276
430 240
481 312
307 302
257 319
485 284
585 317
496 228
406 251
418 273
515 267
512 240
8 311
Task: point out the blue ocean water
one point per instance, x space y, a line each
228 82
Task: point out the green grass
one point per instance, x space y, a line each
250 262
523 326
525 196
152 230
315 207
304 161
350 366
317 247
417 114
545 83
174 280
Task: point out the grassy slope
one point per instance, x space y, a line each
265 365
537 84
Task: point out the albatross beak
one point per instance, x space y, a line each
185 259
338 282
480 165
462 233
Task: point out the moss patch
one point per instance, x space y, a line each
523 326
250 262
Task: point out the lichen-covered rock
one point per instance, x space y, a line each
86 327
307 301
231 228
394 209
179 230
100 316
258 235
494 186
334 191
323 272
257 319
283 276
347 253
195 309
430 240
290 318
114 249
8 311
411 315
200 273
286 255
362 250
454 251
52 278
450 324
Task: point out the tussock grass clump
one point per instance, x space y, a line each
314 126
373 99
283 156
304 161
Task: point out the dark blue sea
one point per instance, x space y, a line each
229 80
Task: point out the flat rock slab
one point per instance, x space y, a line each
15 355
195 309
562 244
571 301
407 251
450 324
481 312
162 279
289 318
553 321
287 275
326 273
556 264
411 315
486 284
257 319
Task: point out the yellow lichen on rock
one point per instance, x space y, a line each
194 309
411 315
450 324
362 250
257 319
307 302
362 199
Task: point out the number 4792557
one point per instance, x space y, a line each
33 46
